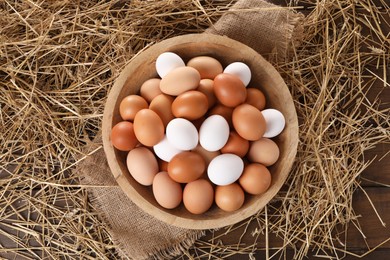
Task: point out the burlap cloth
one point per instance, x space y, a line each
266 28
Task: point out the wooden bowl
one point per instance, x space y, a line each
226 50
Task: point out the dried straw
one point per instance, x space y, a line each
58 60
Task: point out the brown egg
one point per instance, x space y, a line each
167 192
230 197
190 105
150 89
255 179
264 151
207 155
130 105
123 137
198 196
229 89
208 67
148 127
206 86
248 122
236 145
255 98
186 167
224 111
162 165
142 165
180 80
162 106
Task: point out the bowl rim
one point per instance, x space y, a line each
107 123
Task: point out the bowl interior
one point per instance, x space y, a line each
264 77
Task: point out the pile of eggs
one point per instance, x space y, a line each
199 134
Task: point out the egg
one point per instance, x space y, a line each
180 80
167 192
162 104
225 169
229 90
150 89
255 98
275 122
248 122
255 179
168 61
182 134
214 133
198 196
240 70
130 105
206 86
224 111
190 105
236 145
230 197
142 165
165 150
186 167
208 67
207 155
123 137
148 127
264 151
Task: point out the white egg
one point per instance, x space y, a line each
165 150
182 134
168 61
214 133
241 70
274 121
225 169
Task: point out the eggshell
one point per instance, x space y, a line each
186 167
168 61
255 98
236 145
248 122
225 169
230 197
229 90
214 133
206 86
142 165
182 134
123 137
162 104
224 111
190 105
198 196
255 179
264 151
275 122
165 150
241 70
148 127
167 192
150 89
180 80
208 67
130 105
